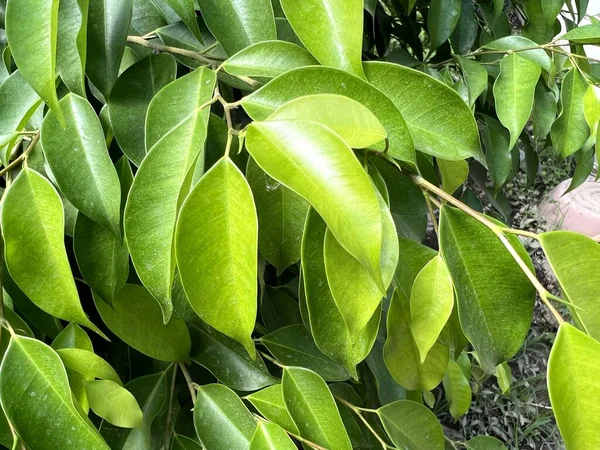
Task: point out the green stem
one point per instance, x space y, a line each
188 379
358 411
23 156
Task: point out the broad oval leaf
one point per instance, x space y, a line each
221 420
475 77
270 436
442 18
114 403
457 390
440 122
216 245
30 205
453 173
71 44
88 364
591 109
586 34
484 443
72 336
313 409
137 320
331 30
181 442
269 403
185 10
495 298
515 42
42 427
79 160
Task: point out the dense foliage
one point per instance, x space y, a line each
215 211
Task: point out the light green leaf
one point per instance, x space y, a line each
33 45
332 30
352 121
72 336
270 436
453 173
586 34
130 97
72 44
457 390
413 257
162 181
108 23
237 25
571 255
185 10
222 421
323 80
32 226
19 101
591 109
268 59
401 354
88 364
310 159
442 18
570 131
513 91
216 245
411 425
440 122
313 409
136 319
495 298
40 405
114 403
431 303
573 387
294 346
269 403
80 163
181 442
475 76
484 443
536 54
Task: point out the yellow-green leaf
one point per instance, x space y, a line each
457 390
270 436
72 44
114 403
453 173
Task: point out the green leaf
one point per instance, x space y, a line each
294 346
30 205
72 44
573 387
19 102
268 59
484 443
238 25
586 34
453 173
33 45
228 361
222 421
88 364
108 23
571 255
494 314
352 121
346 392
536 55
513 91
457 390
442 18
313 409
323 80
114 403
498 153
331 30
440 122
72 336
184 443
475 76
79 160
570 131
40 405
130 97
160 183
185 10
281 216
591 109
270 436
466 30
137 320
431 303
401 354
216 247
544 110
269 403
411 425
310 159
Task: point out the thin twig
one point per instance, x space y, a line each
431 212
270 358
295 436
170 410
23 156
206 60
358 411
190 383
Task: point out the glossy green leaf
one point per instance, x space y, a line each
495 298
466 30
513 91
401 354
108 23
80 163
591 109
573 387
331 30
88 364
268 59
222 421
570 131
571 255
313 409
72 336
453 173
33 45
544 110
130 97
457 390
440 122
19 102
269 403
40 405
137 320
346 392
536 55
216 246
475 77
184 443
484 443
323 80
270 436
585 34
442 18
310 159
114 403
32 226
185 10
160 183
498 153
294 346
71 44
431 302
237 25
412 425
